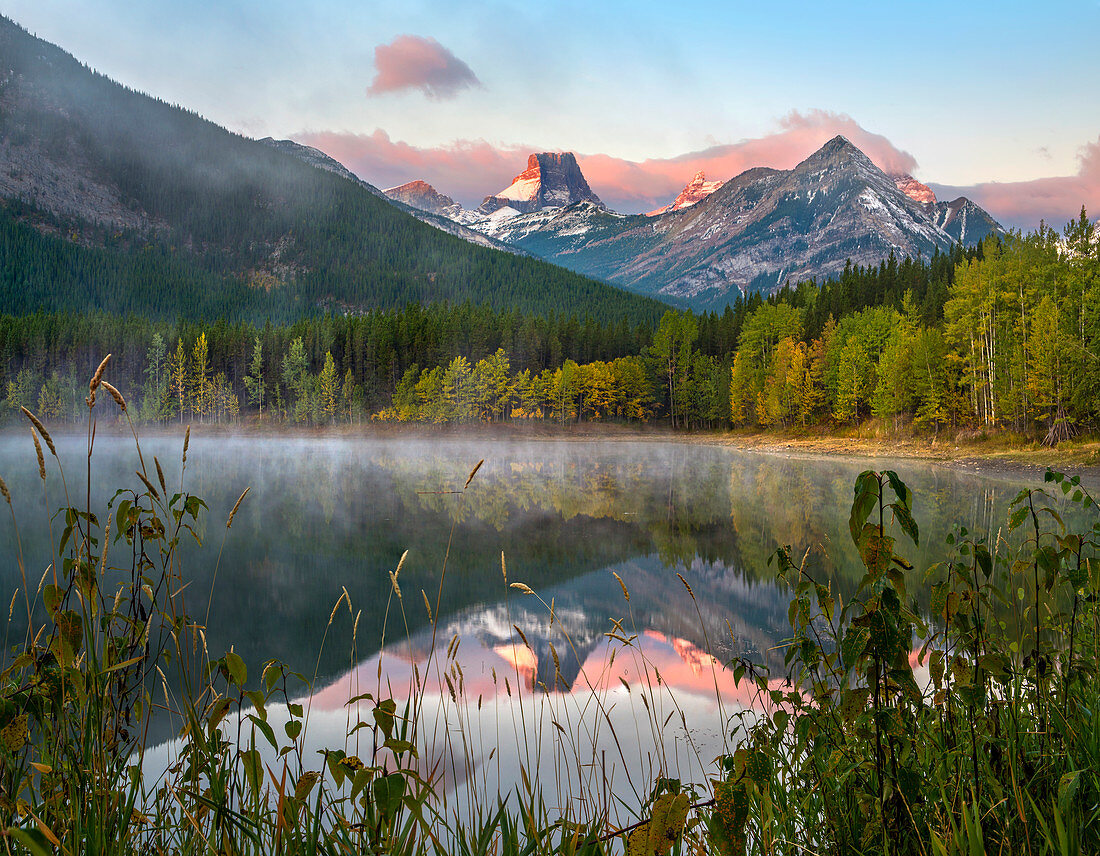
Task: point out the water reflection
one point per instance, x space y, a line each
326 515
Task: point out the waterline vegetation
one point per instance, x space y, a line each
969 726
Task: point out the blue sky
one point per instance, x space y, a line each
975 92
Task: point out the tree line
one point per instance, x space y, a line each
1005 335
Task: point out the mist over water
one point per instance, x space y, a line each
329 514
325 515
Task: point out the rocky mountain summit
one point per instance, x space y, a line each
551 180
696 190
912 188
422 196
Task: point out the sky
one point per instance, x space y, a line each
996 101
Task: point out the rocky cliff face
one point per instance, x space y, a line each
551 180
424 197
696 190
912 188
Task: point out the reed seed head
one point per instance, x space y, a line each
473 473
237 505
186 441
622 585
148 484
41 430
4 491
41 460
523 587
400 564
116 395
160 476
396 587
97 378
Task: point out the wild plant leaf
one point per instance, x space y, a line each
637 841
305 784
388 792
906 521
384 716
855 641
71 627
238 671
253 770
901 490
51 598
936 668
853 702
293 727
1017 517
666 823
876 550
866 498
265 729
731 813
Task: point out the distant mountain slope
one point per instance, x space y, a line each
754 232
86 159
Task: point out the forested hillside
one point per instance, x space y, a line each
1002 336
134 205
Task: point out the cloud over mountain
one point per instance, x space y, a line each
468 169
1055 199
418 62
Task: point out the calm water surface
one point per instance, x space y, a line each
329 515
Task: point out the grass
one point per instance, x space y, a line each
972 729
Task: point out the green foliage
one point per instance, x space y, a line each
993 751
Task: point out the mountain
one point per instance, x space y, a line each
754 233
421 195
912 188
551 180
696 190
964 221
113 200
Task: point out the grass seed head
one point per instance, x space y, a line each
41 430
237 505
94 383
116 395
41 460
4 491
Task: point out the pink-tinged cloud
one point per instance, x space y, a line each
417 62
1022 204
469 170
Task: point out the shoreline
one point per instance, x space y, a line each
996 455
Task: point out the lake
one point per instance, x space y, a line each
633 687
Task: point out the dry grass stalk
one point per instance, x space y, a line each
186 442
4 491
400 564
523 587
